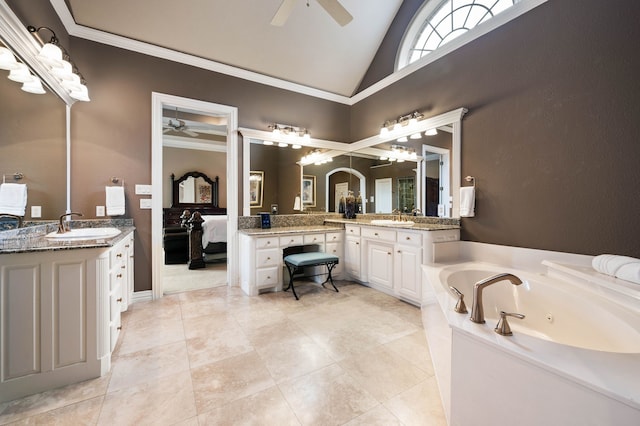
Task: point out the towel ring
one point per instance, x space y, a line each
16 176
115 180
471 179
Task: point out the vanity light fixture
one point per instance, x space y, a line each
57 61
19 72
289 132
315 157
400 154
404 122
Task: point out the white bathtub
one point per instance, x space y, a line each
573 359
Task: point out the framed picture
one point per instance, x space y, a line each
256 187
309 190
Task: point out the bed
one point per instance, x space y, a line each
195 192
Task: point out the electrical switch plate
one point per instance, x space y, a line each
36 211
99 211
143 189
145 203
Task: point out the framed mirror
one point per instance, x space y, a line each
358 165
193 190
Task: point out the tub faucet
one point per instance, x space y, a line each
64 227
477 311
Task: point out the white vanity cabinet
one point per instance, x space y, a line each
59 315
389 259
262 265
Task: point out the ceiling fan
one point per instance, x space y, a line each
332 7
177 126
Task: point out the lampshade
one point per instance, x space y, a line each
21 74
7 60
384 131
34 86
402 139
283 144
80 94
73 83
64 71
267 142
431 132
51 55
415 136
296 146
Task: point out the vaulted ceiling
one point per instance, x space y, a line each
310 49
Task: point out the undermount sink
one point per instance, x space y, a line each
390 222
85 234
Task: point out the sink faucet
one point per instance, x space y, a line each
64 227
477 311
399 214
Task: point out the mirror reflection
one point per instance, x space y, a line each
194 191
33 144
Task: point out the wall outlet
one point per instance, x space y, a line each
143 189
99 211
145 203
36 211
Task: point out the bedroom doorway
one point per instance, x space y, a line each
192 136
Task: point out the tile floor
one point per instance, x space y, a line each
218 357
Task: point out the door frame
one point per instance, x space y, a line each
158 102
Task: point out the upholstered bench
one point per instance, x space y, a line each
298 261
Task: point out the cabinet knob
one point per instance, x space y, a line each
119 299
123 267
127 245
119 255
291 240
408 238
268 242
399 251
269 277
119 328
119 276
376 234
389 253
268 258
357 243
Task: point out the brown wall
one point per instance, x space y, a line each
552 130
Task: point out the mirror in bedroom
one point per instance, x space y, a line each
33 146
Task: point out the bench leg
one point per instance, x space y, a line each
291 272
330 267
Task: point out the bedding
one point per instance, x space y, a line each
214 229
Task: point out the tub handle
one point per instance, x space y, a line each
460 307
502 328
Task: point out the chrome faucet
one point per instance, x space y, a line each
399 214
64 227
477 310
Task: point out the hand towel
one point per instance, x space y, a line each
13 198
115 200
610 264
467 201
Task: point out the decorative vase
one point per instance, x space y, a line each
350 206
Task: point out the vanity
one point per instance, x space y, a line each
61 305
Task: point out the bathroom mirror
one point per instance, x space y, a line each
357 167
33 144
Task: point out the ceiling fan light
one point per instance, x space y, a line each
20 74
7 59
431 132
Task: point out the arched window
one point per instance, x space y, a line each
440 21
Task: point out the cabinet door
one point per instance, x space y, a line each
352 257
381 264
407 272
336 250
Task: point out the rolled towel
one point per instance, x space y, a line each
610 264
629 272
115 200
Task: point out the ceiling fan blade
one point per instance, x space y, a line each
167 130
190 133
283 13
337 11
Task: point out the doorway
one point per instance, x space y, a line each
161 102
383 194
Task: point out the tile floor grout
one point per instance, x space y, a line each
216 356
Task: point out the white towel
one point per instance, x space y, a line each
467 201
610 263
115 200
13 198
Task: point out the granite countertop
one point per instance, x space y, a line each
33 238
416 226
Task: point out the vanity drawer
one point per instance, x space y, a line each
352 230
118 255
267 257
409 238
314 239
291 240
267 277
333 237
266 242
379 234
115 300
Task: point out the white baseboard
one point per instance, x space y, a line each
142 296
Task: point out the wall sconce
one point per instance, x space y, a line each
19 72
287 131
57 61
400 154
402 123
315 157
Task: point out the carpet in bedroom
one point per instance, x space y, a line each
179 278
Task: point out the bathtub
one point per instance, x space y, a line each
573 359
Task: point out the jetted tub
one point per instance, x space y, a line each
573 359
